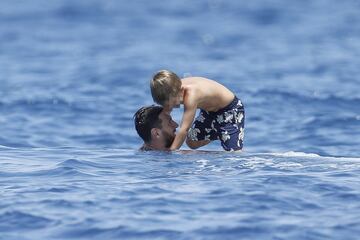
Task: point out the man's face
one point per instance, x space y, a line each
168 128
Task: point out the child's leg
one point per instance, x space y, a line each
232 138
202 131
196 144
230 125
232 129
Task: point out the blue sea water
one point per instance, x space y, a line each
73 73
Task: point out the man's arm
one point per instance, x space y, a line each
188 117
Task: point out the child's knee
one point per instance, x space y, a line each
196 144
191 144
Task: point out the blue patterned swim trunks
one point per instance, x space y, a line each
227 125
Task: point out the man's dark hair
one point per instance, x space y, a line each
145 119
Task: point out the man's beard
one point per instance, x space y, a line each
169 140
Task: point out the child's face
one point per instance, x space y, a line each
173 102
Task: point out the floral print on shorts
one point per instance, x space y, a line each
227 125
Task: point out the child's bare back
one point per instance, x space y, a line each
209 95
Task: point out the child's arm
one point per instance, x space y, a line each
187 119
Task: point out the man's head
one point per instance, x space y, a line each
155 127
166 88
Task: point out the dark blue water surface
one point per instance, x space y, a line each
72 74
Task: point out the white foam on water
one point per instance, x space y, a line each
5 147
296 154
312 155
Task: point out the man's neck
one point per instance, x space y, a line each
152 146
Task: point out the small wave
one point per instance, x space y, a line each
58 203
305 155
36 100
62 171
119 232
57 190
79 164
13 220
5 147
80 103
313 96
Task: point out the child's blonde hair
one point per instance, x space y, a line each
163 85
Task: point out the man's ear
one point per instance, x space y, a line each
155 133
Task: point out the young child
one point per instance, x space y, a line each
221 112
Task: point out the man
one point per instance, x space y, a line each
155 127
